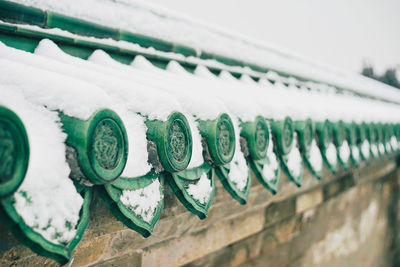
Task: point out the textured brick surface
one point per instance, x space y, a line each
349 229
196 245
344 219
309 200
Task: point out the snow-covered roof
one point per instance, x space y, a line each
167 117
142 18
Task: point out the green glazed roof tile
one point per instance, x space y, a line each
56 20
295 176
283 132
257 137
271 183
101 145
240 195
136 191
13 12
14 152
187 183
220 137
35 241
316 173
173 139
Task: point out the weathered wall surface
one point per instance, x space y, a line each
344 220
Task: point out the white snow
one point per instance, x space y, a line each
295 162
57 92
152 78
365 148
394 143
319 103
374 149
138 98
388 146
355 152
269 170
140 17
47 200
197 150
344 151
201 190
331 154
79 87
56 32
315 157
187 88
126 93
381 148
238 172
143 201
137 164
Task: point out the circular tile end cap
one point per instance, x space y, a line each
14 152
107 147
175 150
257 136
284 132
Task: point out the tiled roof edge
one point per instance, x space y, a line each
21 14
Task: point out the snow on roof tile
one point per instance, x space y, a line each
50 80
142 18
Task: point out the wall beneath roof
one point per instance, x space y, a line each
348 219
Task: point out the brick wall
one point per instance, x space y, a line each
346 219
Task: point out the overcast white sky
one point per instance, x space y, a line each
342 33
